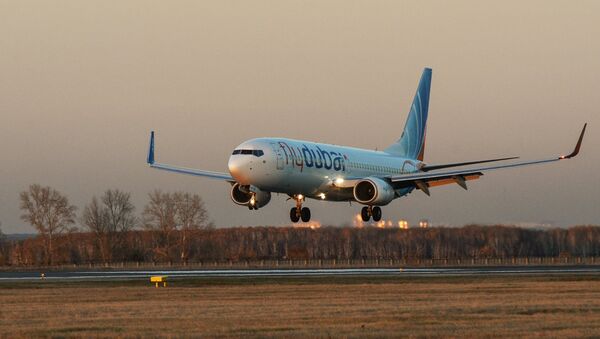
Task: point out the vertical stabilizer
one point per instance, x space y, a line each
412 142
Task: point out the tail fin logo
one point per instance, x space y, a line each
412 142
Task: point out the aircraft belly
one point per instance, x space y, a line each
337 194
305 183
308 183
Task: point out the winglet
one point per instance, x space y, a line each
150 159
577 147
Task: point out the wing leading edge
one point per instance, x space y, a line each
183 170
424 180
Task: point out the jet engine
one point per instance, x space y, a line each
250 196
373 191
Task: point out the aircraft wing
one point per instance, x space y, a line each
459 164
424 180
183 170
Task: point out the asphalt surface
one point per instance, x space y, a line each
117 275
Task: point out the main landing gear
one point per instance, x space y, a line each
371 211
297 213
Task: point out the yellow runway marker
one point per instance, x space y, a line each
159 279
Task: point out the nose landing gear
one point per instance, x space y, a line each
299 213
252 204
370 211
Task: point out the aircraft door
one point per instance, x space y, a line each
278 155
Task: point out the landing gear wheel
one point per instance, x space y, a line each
305 214
364 213
294 217
376 211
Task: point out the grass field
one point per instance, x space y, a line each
299 307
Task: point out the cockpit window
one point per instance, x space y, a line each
255 152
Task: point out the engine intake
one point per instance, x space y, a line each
373 191
243 194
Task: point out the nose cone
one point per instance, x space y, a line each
239 168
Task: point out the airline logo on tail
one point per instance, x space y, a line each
412 142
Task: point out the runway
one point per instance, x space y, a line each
117 275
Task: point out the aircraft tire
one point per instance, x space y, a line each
376 213
305 214
293 215
364 213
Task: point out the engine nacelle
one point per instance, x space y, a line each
373 191
244 194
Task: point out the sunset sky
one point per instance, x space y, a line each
82 83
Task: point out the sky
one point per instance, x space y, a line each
82 83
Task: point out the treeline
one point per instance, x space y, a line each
174 228
107 230
277 243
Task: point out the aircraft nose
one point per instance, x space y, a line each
239 168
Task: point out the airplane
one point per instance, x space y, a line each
304 169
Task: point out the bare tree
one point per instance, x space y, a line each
3 248
159 216
175 217
190 216
94 218
49 212
109 221
2 235
120 210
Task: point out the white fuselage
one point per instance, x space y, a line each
314 170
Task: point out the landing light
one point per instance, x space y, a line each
299 197
322 196
339 181
403 224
